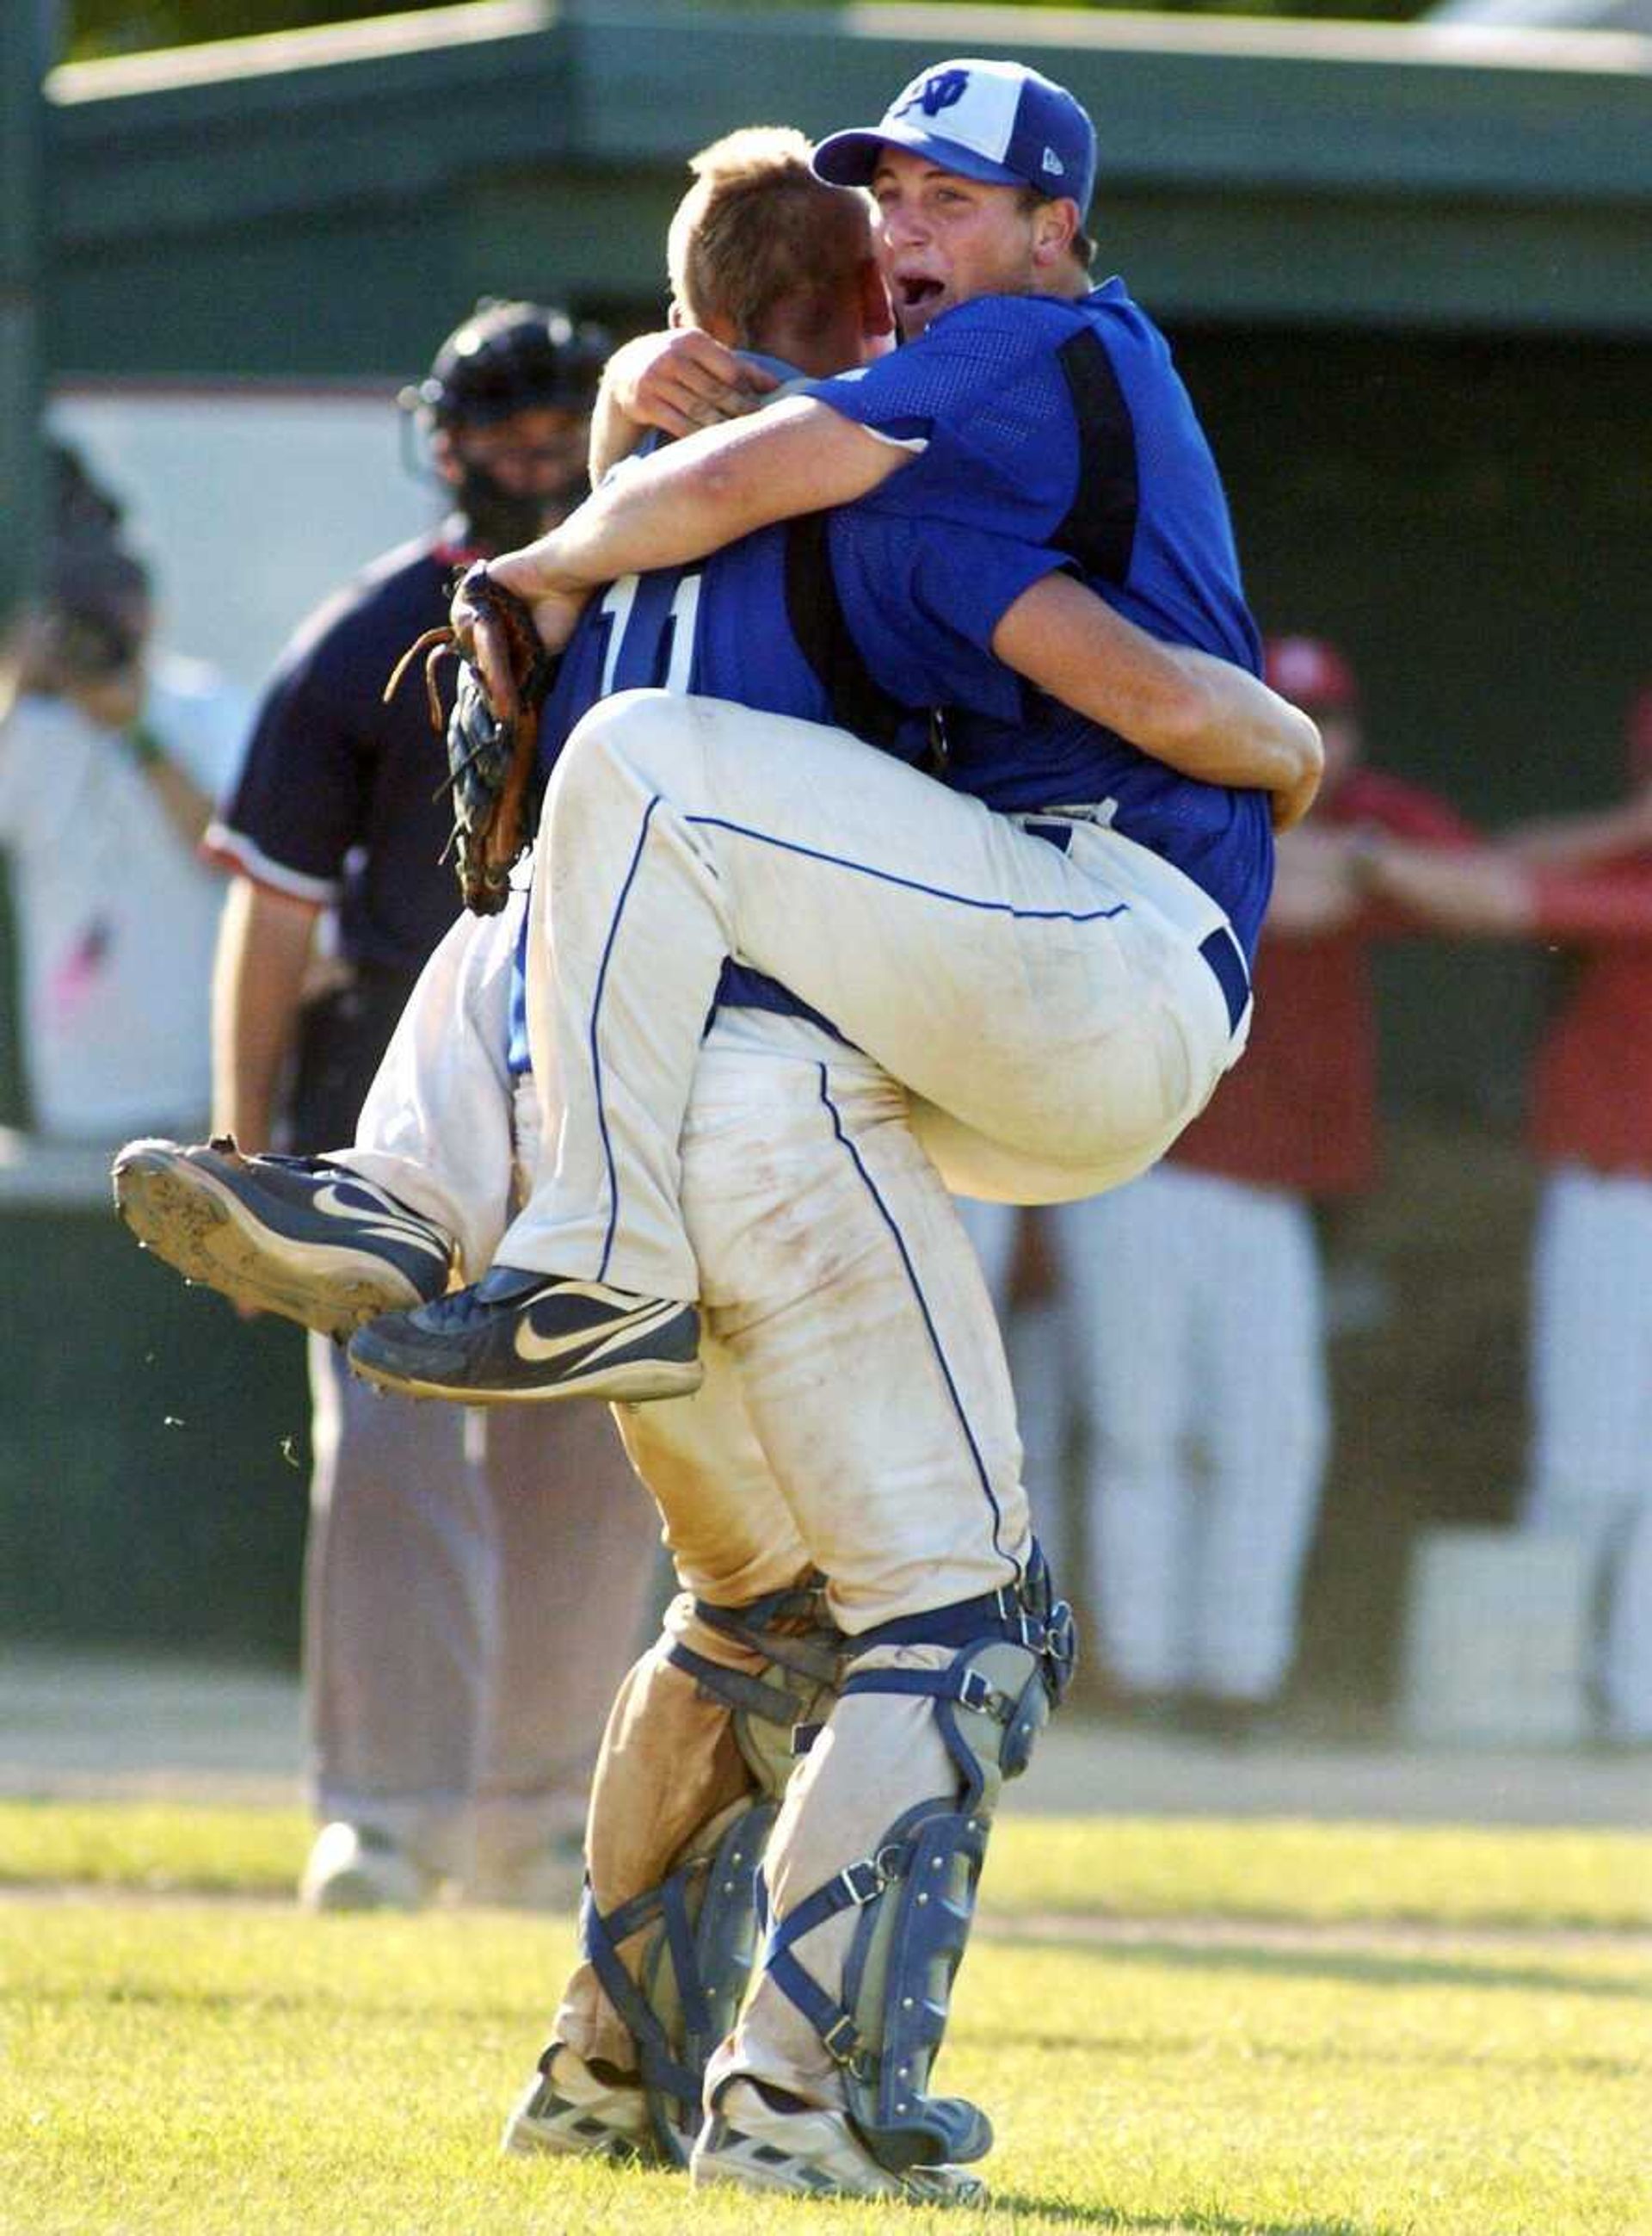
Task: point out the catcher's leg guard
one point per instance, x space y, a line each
695 1963
916 1892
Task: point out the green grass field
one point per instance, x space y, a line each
1241 2030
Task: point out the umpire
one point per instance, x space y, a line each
473 1588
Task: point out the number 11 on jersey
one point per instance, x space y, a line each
652 621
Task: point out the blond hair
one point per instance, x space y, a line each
758 234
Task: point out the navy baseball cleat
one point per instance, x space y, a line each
519 1335
295 1235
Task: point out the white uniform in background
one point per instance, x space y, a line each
117 919
1195 1328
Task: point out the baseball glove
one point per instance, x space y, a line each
492 733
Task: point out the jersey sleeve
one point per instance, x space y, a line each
1403 809
982 402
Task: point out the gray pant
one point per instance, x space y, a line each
476 1588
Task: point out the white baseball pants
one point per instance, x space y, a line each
1591 1384
1196 1332
1035 1343
1051 1006
856 1418
848 1326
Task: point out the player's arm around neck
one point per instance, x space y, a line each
1200 716
701 493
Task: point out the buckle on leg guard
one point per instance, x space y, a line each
842 2040
976 1691
862 1882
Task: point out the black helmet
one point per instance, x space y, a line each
508 357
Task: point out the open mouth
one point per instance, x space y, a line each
914 290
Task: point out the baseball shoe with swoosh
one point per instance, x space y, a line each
300 1236
518 1336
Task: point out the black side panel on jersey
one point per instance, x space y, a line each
859 704
1100 529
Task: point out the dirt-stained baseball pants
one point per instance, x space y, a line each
855 1418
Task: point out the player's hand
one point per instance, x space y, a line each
555 614
683 379
494 652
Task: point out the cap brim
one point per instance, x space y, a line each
849 159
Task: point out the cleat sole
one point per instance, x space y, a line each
202 1229
641 1383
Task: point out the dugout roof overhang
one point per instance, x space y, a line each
1429 175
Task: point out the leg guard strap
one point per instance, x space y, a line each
752 1696
694 1965
1026 1613
856 1886
661 2071
793 1693
1021 1716
790 1629
918 1894
915 1896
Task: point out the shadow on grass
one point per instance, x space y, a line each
1354 1967
1018 2201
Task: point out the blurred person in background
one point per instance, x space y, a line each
474 1585
111 754
1196 1318
1582 883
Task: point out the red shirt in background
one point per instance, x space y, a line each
1591 1094
1299 1110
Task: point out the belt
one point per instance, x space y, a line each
1219 950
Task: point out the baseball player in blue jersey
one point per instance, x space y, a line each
1064 998
802 1184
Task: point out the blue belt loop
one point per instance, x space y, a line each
1222 951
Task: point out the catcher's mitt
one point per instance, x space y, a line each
493 733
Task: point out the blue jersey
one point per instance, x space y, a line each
866 623
1036 454
1066 424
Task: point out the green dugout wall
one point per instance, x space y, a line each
1408 272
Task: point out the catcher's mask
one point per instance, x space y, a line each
505 358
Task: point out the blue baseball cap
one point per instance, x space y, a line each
1000 122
